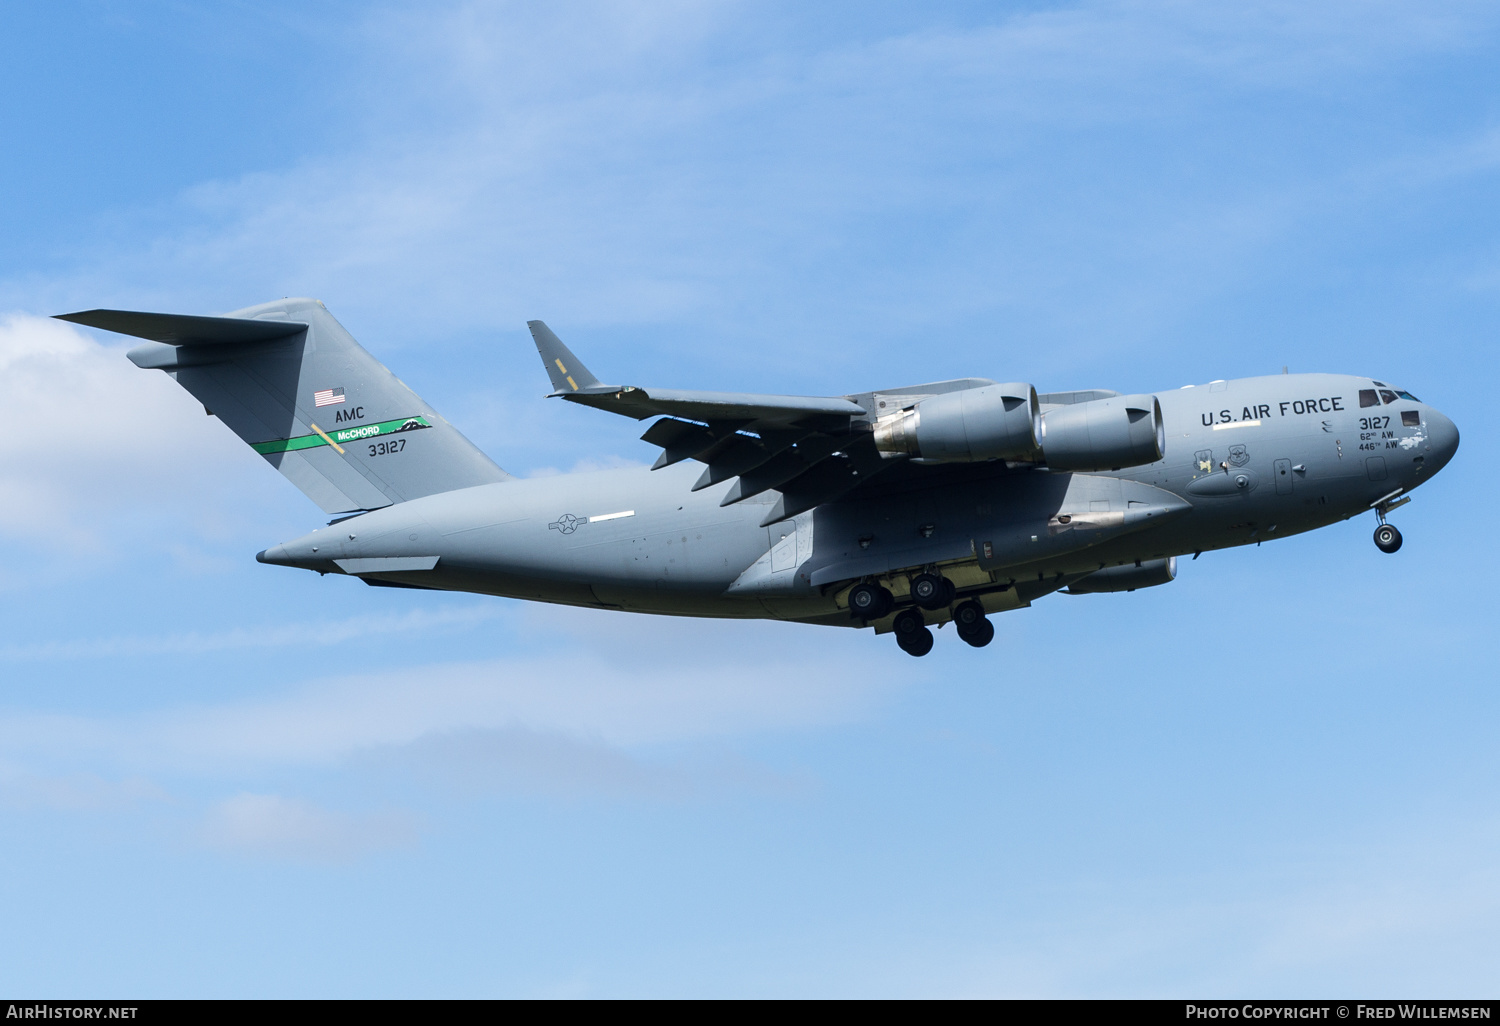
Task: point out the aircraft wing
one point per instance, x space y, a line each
811 449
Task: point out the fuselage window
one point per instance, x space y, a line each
1367 397
1388 395
1411 418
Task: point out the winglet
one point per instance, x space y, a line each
567 372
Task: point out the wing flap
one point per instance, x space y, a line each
792 462
741 453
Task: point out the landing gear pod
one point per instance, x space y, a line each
1147 574
996 422
1105 434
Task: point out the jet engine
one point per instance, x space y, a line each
1126 578
988 423
1104 434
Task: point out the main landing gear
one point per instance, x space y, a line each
932 591
973 626
870 601
911 634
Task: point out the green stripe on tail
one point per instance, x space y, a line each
342 436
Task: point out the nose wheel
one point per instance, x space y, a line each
1387 538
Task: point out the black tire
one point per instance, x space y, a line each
931 591
1387 538
908 621
917 643
980 636
968 618
870 601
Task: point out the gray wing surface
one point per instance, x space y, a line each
809 449
292 383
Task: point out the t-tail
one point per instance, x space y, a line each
289 380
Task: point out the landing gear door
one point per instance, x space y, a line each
1283 477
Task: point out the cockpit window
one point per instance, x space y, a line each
1367 397
1387 395
1407 395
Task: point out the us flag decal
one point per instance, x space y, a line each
328 397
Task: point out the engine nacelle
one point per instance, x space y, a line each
1104 434
989 423
1126 578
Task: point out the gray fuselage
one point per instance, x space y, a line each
1246 461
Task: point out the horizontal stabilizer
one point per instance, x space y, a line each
183 329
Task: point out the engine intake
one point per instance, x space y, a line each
1105 434
989 423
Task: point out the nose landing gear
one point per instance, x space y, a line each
1387 538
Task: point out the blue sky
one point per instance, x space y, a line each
1275 776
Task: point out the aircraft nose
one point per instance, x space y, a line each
1442 441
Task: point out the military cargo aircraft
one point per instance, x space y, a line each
898 510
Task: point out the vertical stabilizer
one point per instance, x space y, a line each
289 380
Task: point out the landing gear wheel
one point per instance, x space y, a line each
1387 538
913 637
973 626
967 616
931 591
870 601
982 637
917 644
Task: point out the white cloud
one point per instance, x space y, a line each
472 763
581 694
631 166
89 437
268 825
22 789
312 633
603 692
